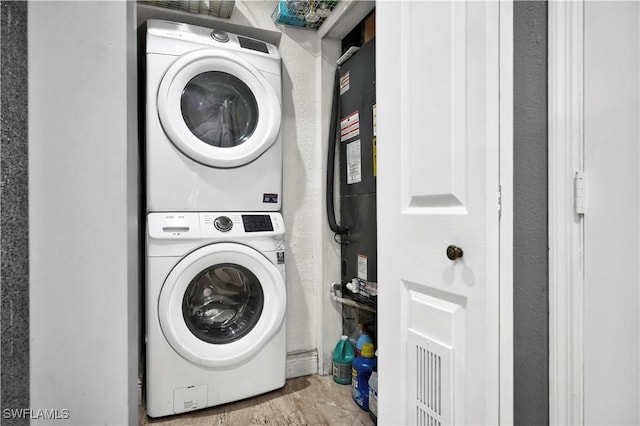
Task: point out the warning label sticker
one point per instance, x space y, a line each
375 156
362 267
350 126
354 163
375 120
344 83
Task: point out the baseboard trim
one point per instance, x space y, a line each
302 363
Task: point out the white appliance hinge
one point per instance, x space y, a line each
578 192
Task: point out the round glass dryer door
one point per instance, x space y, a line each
218 109
221 303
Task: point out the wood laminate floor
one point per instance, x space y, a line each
309 400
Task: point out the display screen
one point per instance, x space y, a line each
248 43
257 222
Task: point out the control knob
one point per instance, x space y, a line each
223 223
219 35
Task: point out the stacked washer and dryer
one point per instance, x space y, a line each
215 275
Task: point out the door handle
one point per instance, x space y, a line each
454 252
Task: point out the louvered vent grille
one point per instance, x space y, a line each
423 418
429 385
433 386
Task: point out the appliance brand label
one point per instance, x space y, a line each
270 198
280 256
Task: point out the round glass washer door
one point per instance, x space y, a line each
218 109
221 304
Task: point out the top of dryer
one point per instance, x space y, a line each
174 38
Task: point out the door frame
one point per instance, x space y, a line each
505 197
566 229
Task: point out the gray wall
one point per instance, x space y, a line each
14 227
530 245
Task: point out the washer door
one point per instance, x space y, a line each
218 109
221 304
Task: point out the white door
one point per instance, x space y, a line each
438 187
612 215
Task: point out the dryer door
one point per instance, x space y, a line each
218 109
221 303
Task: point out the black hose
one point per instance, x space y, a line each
331 153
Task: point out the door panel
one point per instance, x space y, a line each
438 184
437 104
612 211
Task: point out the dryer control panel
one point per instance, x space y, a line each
167 37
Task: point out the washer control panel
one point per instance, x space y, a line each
213 225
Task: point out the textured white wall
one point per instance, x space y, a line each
331 323
312 256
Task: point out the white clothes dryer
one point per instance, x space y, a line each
213 116
215 309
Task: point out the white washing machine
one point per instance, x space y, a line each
215 309
213 116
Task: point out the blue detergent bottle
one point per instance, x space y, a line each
362 368
355 335
364 338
